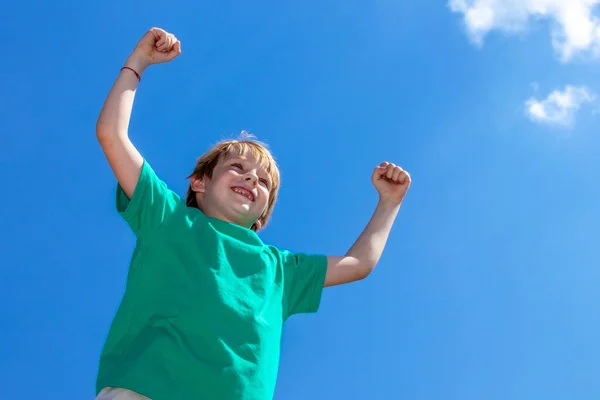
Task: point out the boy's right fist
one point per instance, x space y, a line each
155 47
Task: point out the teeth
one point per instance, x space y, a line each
243 193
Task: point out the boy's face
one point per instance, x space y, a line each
238 191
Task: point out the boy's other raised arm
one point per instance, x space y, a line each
156 46
392 183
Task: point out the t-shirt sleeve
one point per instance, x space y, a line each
304 276
150 205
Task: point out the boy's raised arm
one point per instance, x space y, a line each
156 46
392 183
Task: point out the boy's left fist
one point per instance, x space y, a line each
391 182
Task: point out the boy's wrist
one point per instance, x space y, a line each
389 203
139 64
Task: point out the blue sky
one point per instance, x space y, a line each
488 288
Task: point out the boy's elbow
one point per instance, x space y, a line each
103 134
347 269
107 136
361 266
366 269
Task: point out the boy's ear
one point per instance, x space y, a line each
258 225
198 185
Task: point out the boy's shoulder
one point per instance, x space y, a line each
152 205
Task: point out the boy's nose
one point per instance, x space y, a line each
251 178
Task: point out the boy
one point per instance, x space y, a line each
205 302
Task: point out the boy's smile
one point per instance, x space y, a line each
244 192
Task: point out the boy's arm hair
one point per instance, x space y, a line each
392 183
363 256
112 132
156 46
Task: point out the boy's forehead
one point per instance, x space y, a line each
246 156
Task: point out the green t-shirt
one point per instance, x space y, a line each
204 305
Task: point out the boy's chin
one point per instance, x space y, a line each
241 209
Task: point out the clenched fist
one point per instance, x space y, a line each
391 182
155 47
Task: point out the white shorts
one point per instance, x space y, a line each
119 394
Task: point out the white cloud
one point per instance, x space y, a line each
559 108
575 24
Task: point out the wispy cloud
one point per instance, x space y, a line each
575 26
560 107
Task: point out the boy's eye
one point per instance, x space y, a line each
237 165
264 182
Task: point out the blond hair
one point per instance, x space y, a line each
246 144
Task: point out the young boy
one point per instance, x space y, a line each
205 301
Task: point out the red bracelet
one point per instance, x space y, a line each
134 71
